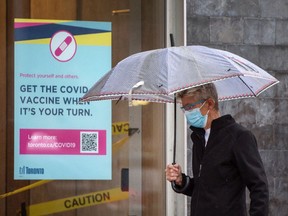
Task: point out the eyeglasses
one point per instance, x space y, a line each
190 106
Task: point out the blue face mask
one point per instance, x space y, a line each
195 118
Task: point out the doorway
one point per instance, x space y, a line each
138 160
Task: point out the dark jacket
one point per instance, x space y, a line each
229 163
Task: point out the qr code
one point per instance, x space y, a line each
89 142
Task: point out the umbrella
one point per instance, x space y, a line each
157 75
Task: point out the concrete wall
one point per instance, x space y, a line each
256 30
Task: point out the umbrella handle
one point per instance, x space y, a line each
173 184
177 189
175 130
175 113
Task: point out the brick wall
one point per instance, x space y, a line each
256 30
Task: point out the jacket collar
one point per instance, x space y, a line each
218 123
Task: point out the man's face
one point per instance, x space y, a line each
189 103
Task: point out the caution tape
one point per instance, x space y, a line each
120 128
117 145
117 128
75 202
28 187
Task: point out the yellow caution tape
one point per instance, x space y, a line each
117 145
28 187
120 128
75 202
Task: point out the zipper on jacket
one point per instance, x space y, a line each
201 140
200 170
197 195
199 174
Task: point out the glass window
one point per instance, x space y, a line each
138 156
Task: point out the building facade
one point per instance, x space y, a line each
256 30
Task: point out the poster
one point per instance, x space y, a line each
55 135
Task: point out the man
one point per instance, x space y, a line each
225 161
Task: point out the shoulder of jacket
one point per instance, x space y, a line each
236 130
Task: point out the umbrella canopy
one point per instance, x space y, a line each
157 75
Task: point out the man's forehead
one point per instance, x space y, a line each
188 99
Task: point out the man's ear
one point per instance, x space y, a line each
211 103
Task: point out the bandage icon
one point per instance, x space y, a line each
63 46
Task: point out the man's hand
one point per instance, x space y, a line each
174 173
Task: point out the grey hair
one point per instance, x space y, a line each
201 92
